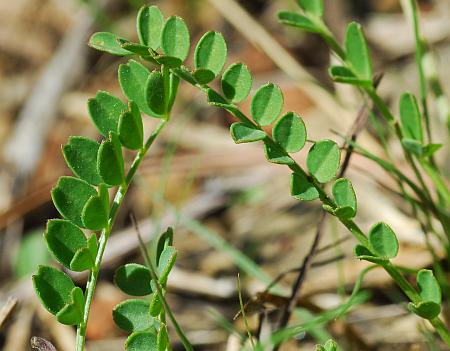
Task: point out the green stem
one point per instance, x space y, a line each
159 290
412 4
118 199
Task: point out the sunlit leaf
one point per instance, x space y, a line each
142 341
149 24
290 132
110 162
246 133
345 198
131 129
108 42
155 94
267 104
358 55
236 82
175 39
298 20
133 315
211 53
383 241
323 160
410 117
105 110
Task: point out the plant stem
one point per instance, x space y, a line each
118 199
159 290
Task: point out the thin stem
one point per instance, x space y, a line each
118 199
412 7
159 290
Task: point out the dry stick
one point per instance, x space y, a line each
7 309
357 127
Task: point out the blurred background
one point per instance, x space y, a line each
222 199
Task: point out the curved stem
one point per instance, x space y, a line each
118 199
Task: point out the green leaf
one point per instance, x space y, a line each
290 132
70 195
154 93
299 21
275 155
155 302
413 146
345 198
430 149
203 75
166 263
358 55
131 129
105 110
163 338
135 48
149 24
267 104
175 39
363 253
133 315
53 288
236 82
158 244
429 289
72 313
410 118
246 133
110 162
425 309
302 189
169 61
82 260
92 245
142 341
314 7
173 89
64 239
108 42
133 78
344 75
95 214
31 252
383 241
80 154
211 52
133 279
323 160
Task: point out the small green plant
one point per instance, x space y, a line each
84 203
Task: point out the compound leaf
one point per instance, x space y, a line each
246 133
154 93
105 110
358 55
150 22
131 129
302 189
290 132
142 341
175 39
53 288
70 195
108 42
383 241
80 154
133 279
323 160
410 118
133 78
267 104
110 162
236 82
133 315
211 53
345 198
64 239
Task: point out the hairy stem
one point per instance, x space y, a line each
118 199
